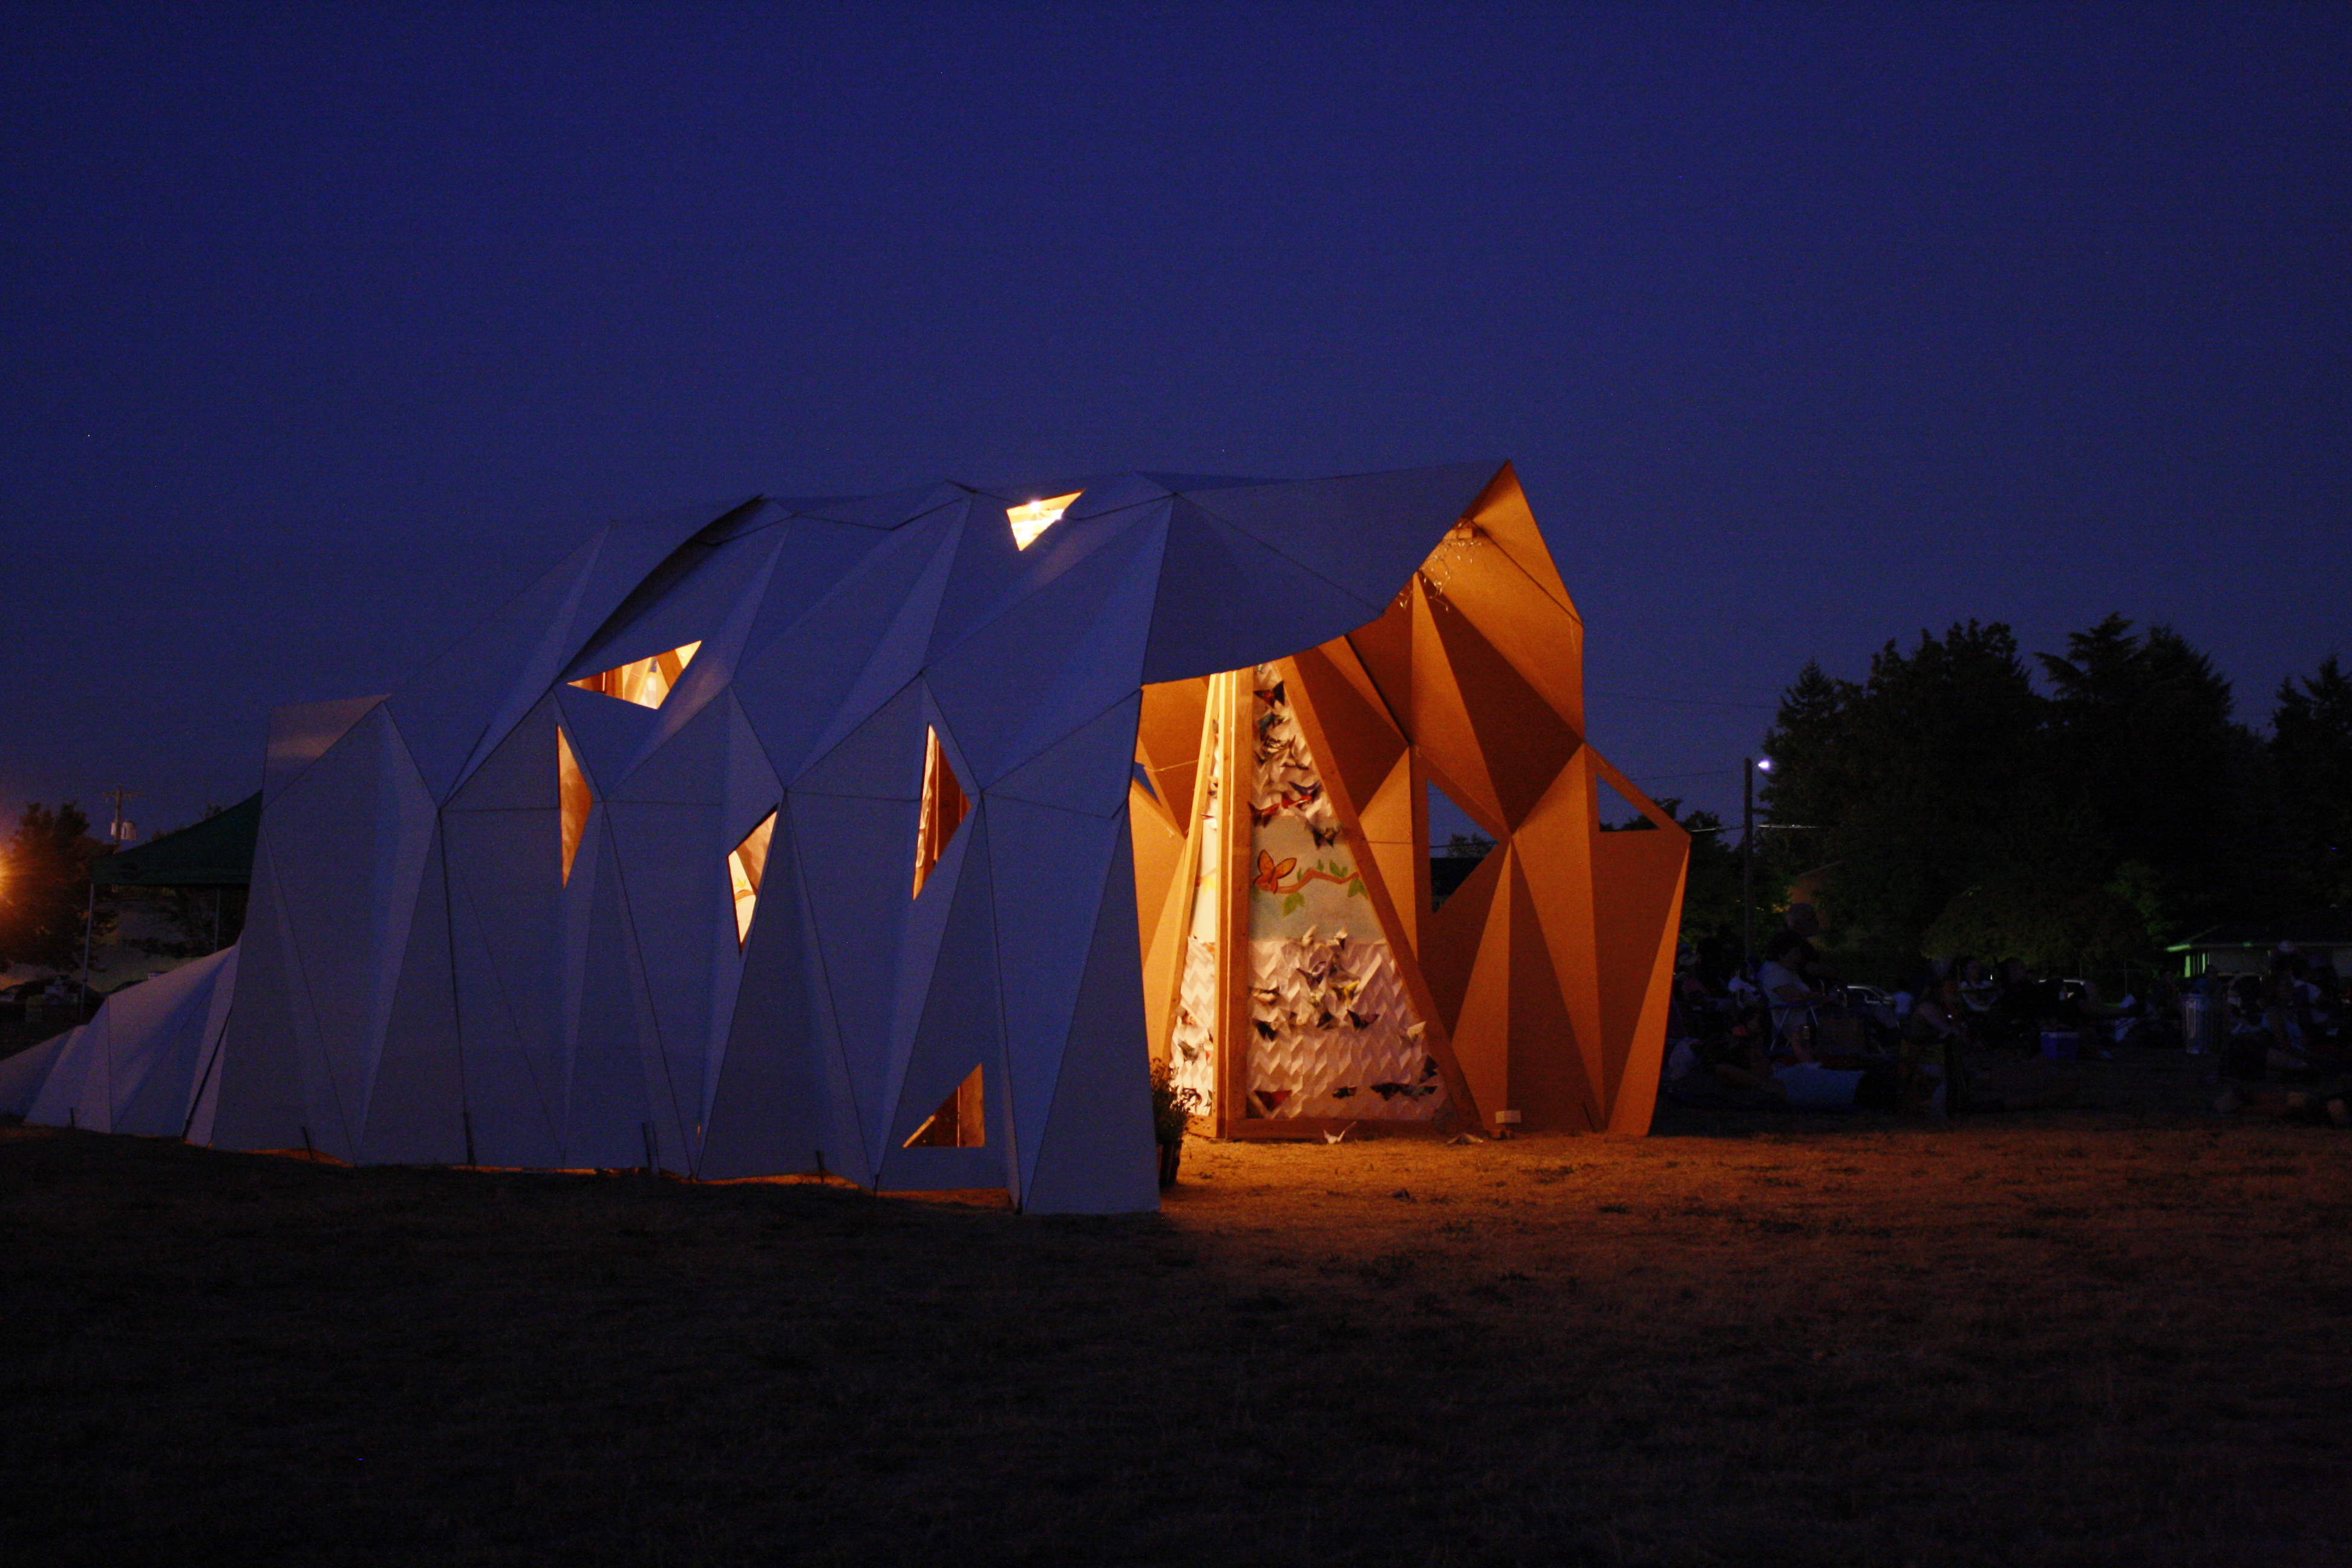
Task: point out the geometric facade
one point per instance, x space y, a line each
893 837
1297 976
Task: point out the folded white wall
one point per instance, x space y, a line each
421 982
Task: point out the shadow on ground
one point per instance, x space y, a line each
2107 1335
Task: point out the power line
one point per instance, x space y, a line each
1682 701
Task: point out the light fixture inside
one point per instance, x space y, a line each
746 864
1035 518
644 681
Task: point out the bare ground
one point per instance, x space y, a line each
2114 1335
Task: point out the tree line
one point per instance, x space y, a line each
47 912
1949 803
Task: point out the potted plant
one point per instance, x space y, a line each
1172 1106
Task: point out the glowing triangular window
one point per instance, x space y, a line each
1617 811
1035 518
644 681
746 863
1458 845
572 797
944 806
960 1122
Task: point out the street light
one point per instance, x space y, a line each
1749 767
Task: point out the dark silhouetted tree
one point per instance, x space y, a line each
2311 749
2153 768
2123 809
1916 784
45 886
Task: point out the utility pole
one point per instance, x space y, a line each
1748 865
1749 768
117 830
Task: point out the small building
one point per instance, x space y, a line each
2244 947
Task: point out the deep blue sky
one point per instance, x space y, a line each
325 331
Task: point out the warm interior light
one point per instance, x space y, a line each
1030 521
746 863
960 1122
644 681
572 796
944 805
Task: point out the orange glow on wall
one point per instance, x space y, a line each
1035 517
644 681
960 1122
746 863
573 797
1296 974
944 806
1271 677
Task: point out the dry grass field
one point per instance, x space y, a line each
2112 1335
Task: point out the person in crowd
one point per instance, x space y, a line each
2247 1054
2285 1009
1717 961
1727 1065
1792 997
1978 989
2014 1020
1933 1058
2324 1039
2159 1016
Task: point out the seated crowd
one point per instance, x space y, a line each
1971 1036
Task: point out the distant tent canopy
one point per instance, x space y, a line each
896 836
215 853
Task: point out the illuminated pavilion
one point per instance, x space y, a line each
900 836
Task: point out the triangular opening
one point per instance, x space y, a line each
1457 845
1618 812
746 863
573 797
644 681
944 808
1034 518
960 1122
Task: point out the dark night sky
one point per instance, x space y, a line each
325 331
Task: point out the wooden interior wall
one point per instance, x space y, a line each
1544 979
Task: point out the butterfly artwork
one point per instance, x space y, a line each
1300 801
1270 873
1358 1022
1326 837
